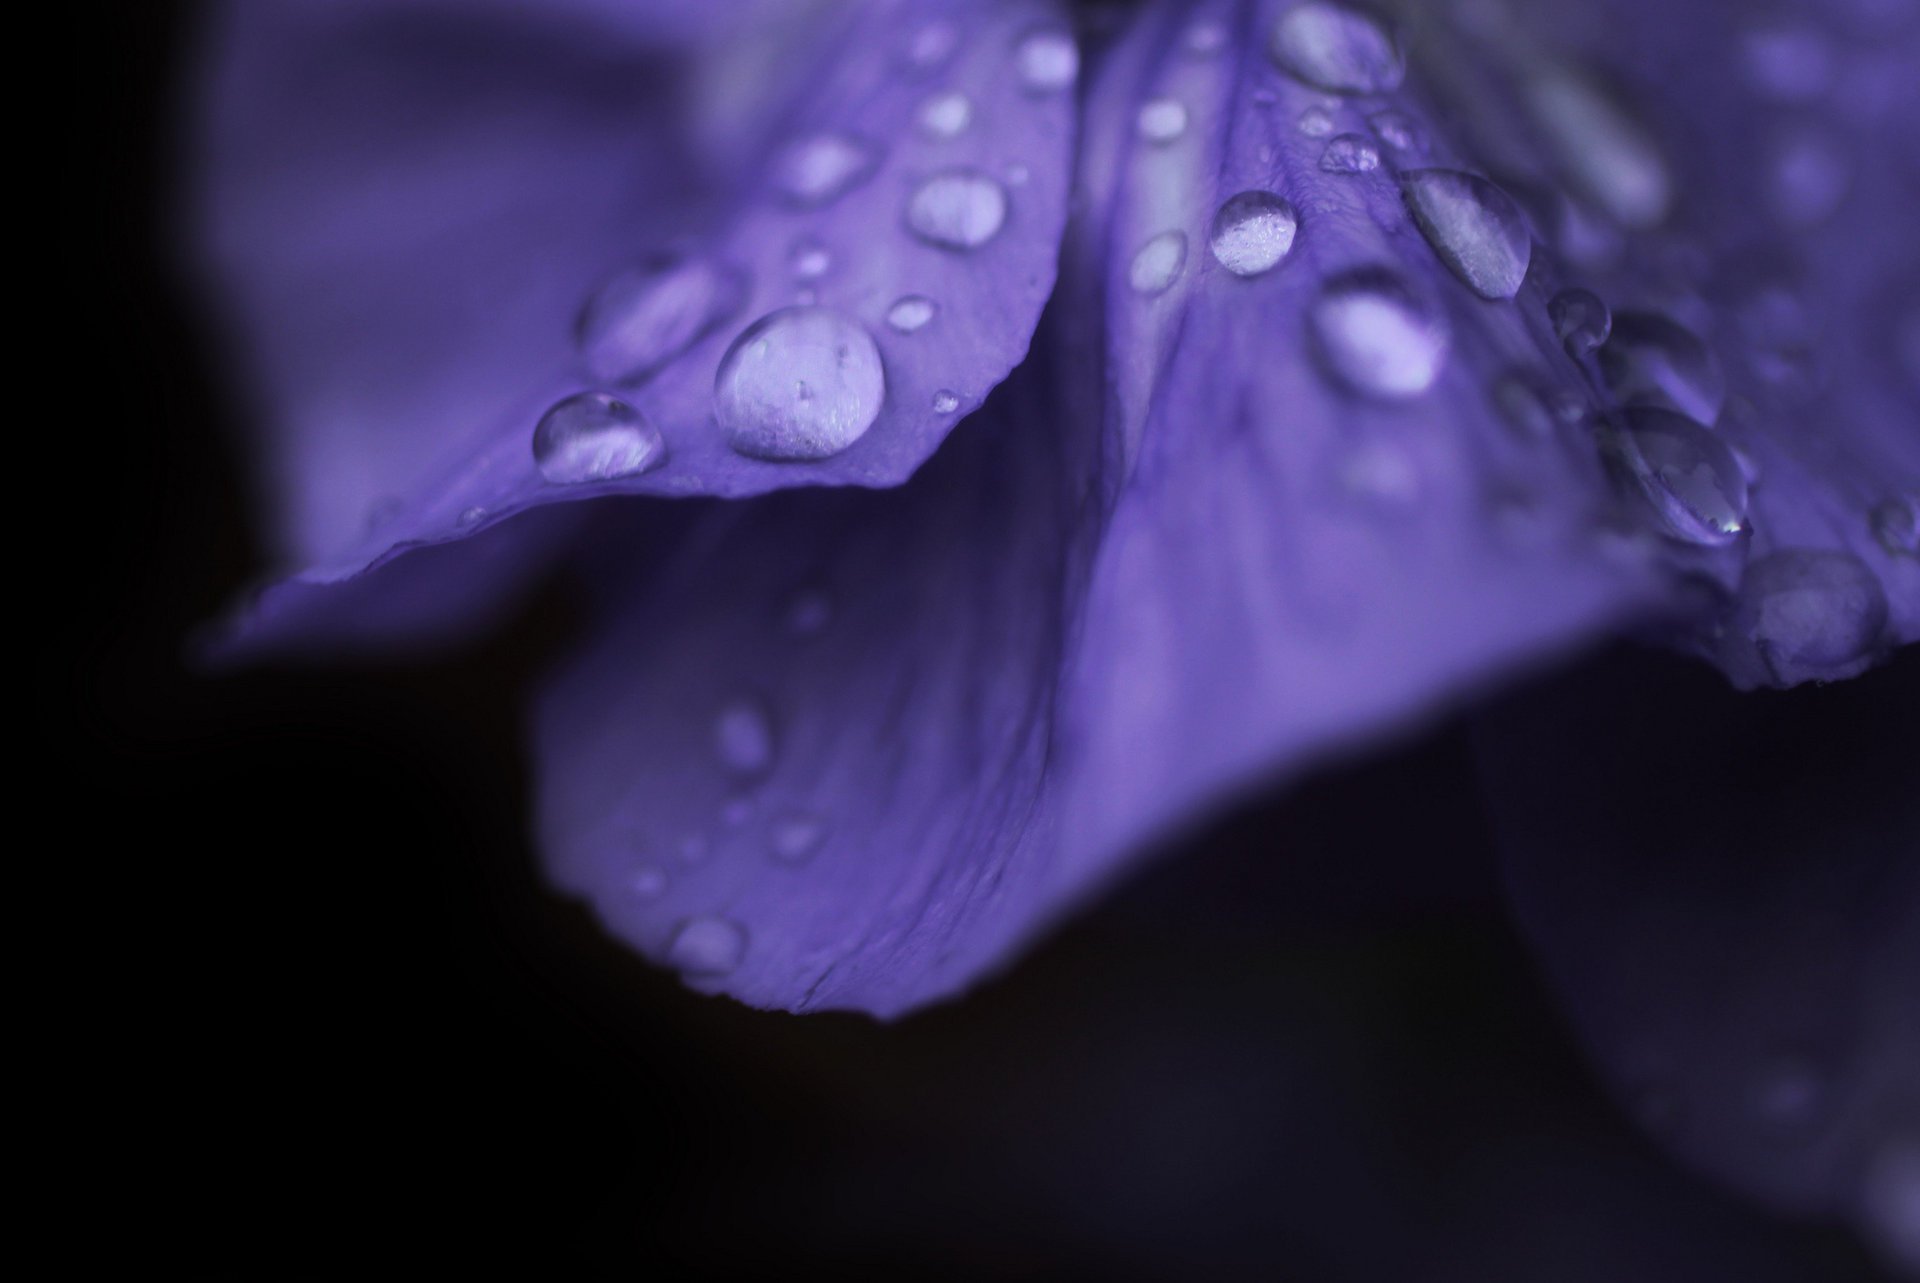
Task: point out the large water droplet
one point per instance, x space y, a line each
911 312
1376 336
1686 475
795 837
1473 226
743 737
821 168
800 383
1252 233
1805 614
595 437
1603 151
958 209
1048 61
1156 265
946 115
1350 154
1336 49
707 946
1581 319
644 317
1895 524
1651 359
1162 120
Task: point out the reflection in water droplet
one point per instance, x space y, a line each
1606 155
911 313
1896 525
644 317
743 737
809 260
819 169
794 838
707 946
958 209
945 402
1651 359
1473 226
1252 233
946 115
1376 336
1350 154
595 437
1156 265
1316 122
1336 49
1048 61
1685 475
800 383
1581 319
1804 614
1162 120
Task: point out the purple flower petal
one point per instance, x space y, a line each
431 225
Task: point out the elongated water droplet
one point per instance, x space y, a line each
795 837
595 437
800 383
1156 265
743 737
1604 153
1252 233
821 168
946 115
1805 614
1336 49
1376 336
957 209
1581 320
1162 120
1048 61
707 946
1350 154
911 313
1473 226
644 317
1651 359
1896 525
1685 475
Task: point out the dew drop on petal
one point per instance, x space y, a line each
945 401
1805 614
1162 120
809 260
1316 122
911 312
470 517
1652 359
957 209
1895 524
1334 48
707 946
1603 152
799 383
1376 336
592 436
645 316
1687 478
795 837
946 115
1350 154
743 737
1156 265
821 168
1252 233
1048 61
1581 319
1473 226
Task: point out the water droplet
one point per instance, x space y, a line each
809 613
743 737
945 401
1316 122
1581 320
946 115
595 437
799 383
1252 233
707 946
1651 359
1205 38
1603 151
809 260
911 312
1162 120
1896 525
821 168
1473 226
1376 336
1156 265
1804 614
1350 154
1048 61
1336 49
958 209
645 316
1685 475
1788 62
1890 1201
647 883
931 46
470 517
795 837
1397 130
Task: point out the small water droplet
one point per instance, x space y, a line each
911 312
1473 226
931 46
707 946
1376 336
799 383
1604 152
945 401
795 837
1252 233
644 317
821 168
1162 120
1156 265
647 883
1651 359
1397 130
1684 474
743 737
1048 61
595 437
809 260
1316 122
1581 319
1895 524
1350 154
1804 614
946 115
957 209
470 517
809 613
1336 49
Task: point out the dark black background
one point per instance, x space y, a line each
351 1031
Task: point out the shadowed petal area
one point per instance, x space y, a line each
431 223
